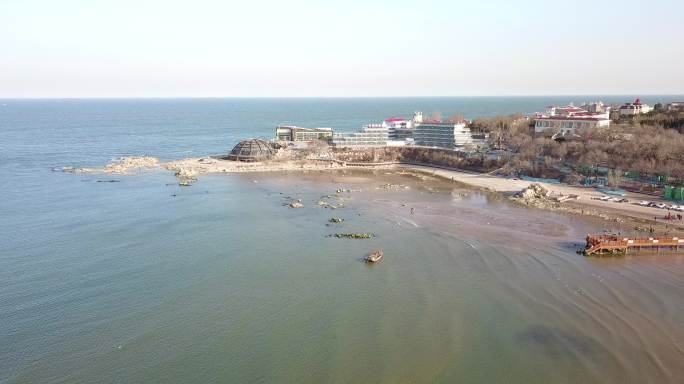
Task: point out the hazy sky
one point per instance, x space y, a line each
79 48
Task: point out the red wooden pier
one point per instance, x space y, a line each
618 245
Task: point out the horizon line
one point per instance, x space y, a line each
331 97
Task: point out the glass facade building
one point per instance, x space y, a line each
373 135
291 133
440 134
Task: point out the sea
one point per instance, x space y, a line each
135 279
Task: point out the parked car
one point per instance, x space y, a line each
661 205
645 203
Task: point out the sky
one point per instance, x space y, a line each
260 48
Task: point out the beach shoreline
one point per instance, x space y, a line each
585 201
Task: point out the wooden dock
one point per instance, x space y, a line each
598 245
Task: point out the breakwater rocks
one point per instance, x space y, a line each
190 169
122 166
125 165
186 176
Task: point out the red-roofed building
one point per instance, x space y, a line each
570 118
635 108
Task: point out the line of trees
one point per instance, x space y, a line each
670 120
639 147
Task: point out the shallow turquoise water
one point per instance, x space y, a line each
125 282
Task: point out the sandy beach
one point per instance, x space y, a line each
625 215
588 202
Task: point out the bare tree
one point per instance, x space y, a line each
614 178
456 118
437 115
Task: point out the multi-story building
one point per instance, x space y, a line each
595 107
635 108
566 120
371 135
441 134
675 106
568 124
395 131
293 133
391 132
401 130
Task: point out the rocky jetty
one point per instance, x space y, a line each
122 166
127 164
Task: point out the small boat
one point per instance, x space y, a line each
373 257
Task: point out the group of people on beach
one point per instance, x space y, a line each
670 216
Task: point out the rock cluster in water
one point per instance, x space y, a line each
396 187
353 235
186 176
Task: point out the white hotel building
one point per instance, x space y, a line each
370 136
395 132
568 119
635 108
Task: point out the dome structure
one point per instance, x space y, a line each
251 150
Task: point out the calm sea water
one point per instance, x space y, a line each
125 282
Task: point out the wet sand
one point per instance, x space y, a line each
634 217
588 197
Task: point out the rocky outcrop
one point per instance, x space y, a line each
535 195
186 176
121 166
